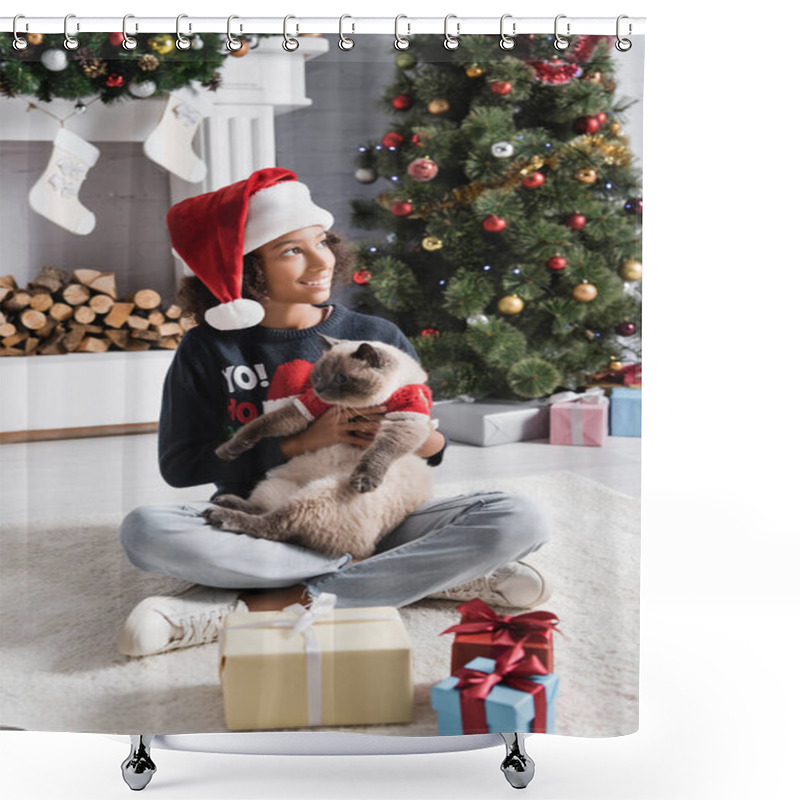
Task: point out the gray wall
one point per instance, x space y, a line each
129 193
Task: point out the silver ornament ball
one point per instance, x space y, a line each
143 89
477 319
502 149
366 175
54 60
197 42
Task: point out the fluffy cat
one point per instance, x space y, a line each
339 499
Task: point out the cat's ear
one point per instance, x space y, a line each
366 352
328 341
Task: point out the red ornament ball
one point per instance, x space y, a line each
402 102
362 277
417 139
429 332
587 125
402 208
114 80
502 87
557 262
602 117
577 222
626 328
392 139
422 169
533 181
115 39
494 224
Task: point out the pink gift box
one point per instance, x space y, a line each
581 421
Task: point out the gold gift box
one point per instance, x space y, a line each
365 662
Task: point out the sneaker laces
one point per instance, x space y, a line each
199 628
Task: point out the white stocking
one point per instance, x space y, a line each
170 144
55 194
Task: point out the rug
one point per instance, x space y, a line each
66 586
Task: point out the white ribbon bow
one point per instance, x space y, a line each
66 188
187 114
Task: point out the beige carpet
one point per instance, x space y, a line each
67 586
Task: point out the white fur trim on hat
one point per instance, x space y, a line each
233 316
279 209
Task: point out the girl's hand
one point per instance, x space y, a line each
336 426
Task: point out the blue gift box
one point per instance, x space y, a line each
507 710
626 412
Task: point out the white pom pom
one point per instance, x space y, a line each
235 315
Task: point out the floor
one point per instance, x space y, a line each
80 477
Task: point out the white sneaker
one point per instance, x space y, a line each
193 617
516 585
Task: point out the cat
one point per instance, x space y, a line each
339 499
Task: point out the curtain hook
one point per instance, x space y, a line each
290 44
451 42
181 42
128 42
233 44
344 42
507 42
560 42
70 42
400 42
623 45
19 44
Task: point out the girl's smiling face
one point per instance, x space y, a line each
298 266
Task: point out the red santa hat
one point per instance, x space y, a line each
211 233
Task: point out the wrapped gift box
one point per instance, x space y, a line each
483 633
489 422
579 419
626 412
506 709
295 668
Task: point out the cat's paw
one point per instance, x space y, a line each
229 501
364 482
221 518
230 450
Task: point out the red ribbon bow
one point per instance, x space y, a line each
512 669
478 617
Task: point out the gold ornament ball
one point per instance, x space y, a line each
585 292
615 366
510 304
586 175
162 44
595 77
34 38
631 270
438 106
474 71
431 243
242 51
615 127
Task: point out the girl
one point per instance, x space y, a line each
265 259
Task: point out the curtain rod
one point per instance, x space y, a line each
406 25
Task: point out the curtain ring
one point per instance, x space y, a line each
70 42
19 44
128 42
507 42
623 45
181 42
233 44
451 42
290 44
400 42
560 42
344 42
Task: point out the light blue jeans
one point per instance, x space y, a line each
445 542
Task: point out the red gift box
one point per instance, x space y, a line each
484 633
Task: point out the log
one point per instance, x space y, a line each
169 343
8 282
118 315
84 315
53 347
85 276
73 338
7 329
98 330
48 327
101 303
138 344
148 336
91 344
32 345
169 329
119 337
10 341
17 300
61 312
33 320
5 291
145 299
11 351
174 312
41 301
156 318
137 323
76 294
105 283
51 278
188 322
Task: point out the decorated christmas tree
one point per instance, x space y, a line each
511 247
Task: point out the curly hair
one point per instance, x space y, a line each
195 298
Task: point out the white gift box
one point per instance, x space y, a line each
491 422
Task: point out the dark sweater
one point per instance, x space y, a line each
220 380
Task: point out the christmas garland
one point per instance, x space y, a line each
102 67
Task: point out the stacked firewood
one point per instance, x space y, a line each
59 312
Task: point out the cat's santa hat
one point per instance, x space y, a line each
211 233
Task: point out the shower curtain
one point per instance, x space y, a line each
487 208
